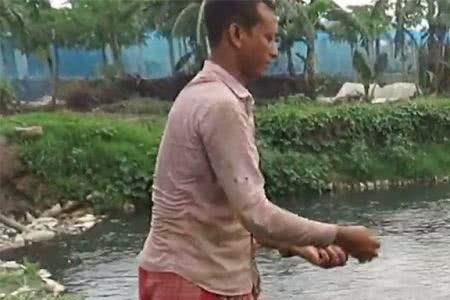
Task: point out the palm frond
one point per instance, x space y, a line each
183 20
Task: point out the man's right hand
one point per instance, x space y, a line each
358 241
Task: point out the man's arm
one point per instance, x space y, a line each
229 142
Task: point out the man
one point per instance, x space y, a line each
209 204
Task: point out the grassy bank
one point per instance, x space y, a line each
106 157
304 146
318 144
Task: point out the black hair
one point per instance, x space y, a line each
219 14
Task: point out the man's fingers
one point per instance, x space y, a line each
333 255
341 255
324 256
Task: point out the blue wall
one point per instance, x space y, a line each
151 60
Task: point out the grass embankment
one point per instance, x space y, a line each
107 157
303 146
307 146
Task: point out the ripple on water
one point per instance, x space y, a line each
413 225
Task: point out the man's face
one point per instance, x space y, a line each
259 45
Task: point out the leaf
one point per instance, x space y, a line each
308 25
302 57
183 61
431 76
184 18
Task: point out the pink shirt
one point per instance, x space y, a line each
208 193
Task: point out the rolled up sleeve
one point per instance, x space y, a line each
229 142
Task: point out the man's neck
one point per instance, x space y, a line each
229 65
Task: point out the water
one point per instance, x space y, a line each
413 226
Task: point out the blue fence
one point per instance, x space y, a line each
152 60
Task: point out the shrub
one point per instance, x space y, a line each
79 96
7 96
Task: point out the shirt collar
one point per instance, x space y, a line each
229 80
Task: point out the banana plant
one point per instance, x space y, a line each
369 73
432 51
182 22
190 23
363 28
301 22
10 16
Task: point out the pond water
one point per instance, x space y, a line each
413 226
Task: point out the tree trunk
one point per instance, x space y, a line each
51 69
434 55
291 69
3 56
117 54
171 53
104 57
377 48
55 77
310 70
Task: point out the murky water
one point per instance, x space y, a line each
413 225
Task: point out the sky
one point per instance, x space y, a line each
59 3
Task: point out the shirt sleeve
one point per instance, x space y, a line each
229 141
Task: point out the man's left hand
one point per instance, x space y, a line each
327 258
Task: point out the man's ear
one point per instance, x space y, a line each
234 34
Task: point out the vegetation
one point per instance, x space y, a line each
37 28
352 143
106 159
13 280
7 96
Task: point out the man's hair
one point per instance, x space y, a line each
220 14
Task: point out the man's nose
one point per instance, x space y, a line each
274 51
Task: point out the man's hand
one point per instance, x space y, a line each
327 258
358 241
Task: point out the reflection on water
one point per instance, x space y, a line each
413 225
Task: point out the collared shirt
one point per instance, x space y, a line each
208 192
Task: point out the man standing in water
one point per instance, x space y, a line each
209 203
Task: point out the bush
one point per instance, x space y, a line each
291 174
7 96
352 143
79 96
318 129
85 95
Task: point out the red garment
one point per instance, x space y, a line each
170 286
